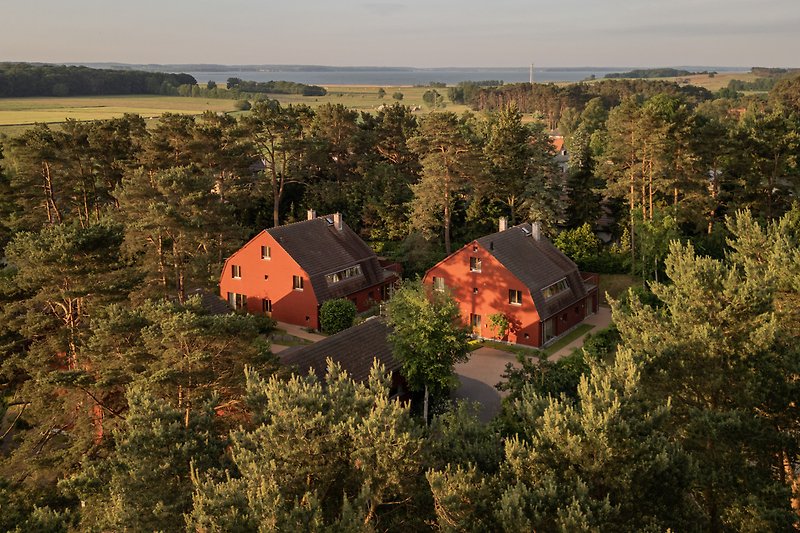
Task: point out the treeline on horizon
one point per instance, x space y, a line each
655 73
275 87
28 79
125 404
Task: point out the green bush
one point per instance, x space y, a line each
242 105
337 315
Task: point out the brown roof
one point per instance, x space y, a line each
354 349
538 264
320 248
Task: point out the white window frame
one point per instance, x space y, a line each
512 293
266 253
236 271
475 264
297 283
438 284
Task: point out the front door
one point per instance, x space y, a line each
549 330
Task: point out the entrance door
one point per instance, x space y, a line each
549 330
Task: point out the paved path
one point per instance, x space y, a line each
600 320
300 332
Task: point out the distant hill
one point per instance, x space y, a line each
37 79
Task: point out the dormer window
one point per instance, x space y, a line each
474 264
343 274
556 288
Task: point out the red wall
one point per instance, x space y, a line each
288 305
493 283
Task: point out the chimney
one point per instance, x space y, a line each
536 230
503 223
337 221
312 214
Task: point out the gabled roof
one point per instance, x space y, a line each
538 264
320 248
354 349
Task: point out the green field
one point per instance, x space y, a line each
18 114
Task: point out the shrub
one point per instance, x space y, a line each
242 105
337 315
397 96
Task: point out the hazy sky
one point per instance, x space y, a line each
422 33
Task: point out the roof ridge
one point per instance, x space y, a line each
302 221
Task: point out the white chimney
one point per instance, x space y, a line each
312 214
337 221
536 230
503 223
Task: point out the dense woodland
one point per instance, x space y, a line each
125 405
26 79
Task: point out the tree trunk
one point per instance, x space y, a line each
425 406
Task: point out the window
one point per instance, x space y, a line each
475 321
236 271
266 252
237 301
556 288
474 290
438 284
266 306
514 297
343 274
474 264
297 283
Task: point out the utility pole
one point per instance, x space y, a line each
531 73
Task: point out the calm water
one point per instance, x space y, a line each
403 77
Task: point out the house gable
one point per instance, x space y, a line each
484 292
269 283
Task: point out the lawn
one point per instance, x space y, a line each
576 333
616 285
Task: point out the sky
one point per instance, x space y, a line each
416 33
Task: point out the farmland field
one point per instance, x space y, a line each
18 114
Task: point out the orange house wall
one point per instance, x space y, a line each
288 305
493 283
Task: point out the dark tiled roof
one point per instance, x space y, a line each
212 302
320 248
537 264
354 349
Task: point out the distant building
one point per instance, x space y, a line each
288 271
517 272
562 155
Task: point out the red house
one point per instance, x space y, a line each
287 272
518 273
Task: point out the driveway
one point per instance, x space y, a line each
485 368
478 378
